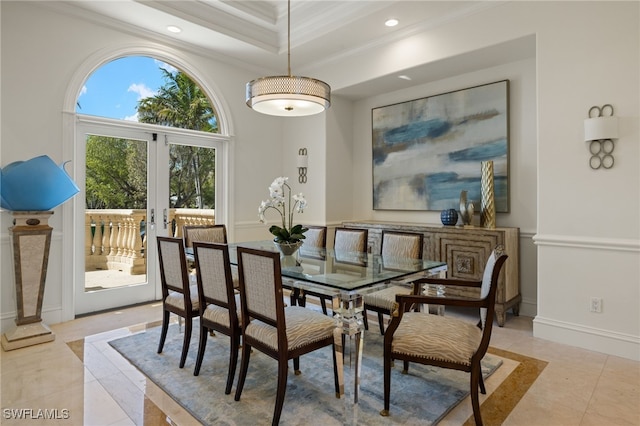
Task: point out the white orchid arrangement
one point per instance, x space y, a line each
286 204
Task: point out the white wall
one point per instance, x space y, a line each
588 221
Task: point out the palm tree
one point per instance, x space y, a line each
179 103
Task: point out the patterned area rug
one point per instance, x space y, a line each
424 396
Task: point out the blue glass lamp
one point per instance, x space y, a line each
37 184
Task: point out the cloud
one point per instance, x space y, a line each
83 90
165 66
133 117
142 90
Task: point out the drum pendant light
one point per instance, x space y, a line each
288 95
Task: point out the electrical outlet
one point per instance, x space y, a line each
596 304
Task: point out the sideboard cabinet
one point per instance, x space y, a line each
465 249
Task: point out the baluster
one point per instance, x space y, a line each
100 236
113 237
117 228
88 235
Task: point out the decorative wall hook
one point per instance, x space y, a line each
600 129
303 162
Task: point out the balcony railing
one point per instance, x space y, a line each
117 239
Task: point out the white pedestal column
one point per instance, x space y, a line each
31 236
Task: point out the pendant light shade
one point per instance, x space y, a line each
288 95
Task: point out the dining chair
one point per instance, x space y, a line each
394 245
444 341
204 233
312 247
217 300
208 234
278 332
350 240
178 295
315 237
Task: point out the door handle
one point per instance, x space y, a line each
165 218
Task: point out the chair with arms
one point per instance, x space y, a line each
178 295
395 245
217 300
279 332
444 341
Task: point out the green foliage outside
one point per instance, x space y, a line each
116 176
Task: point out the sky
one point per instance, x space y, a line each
114 89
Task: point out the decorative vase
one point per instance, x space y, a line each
449 217
287 252
466 209
487 207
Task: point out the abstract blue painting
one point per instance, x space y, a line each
426 151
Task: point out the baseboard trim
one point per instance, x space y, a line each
595 339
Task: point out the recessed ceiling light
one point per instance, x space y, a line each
391 22
174 29
404 77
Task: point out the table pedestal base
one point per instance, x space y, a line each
349 344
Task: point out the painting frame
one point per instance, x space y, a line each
427 150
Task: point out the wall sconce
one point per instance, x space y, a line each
303 162
600 130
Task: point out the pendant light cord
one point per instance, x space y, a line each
289 37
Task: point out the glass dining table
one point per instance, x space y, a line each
343 278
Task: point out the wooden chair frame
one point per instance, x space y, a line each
234 331
282 354
474 367
189 311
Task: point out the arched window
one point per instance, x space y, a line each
152 147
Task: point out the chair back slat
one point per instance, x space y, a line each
350 240
260 285
214 273
401 245
204 233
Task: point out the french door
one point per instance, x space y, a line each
134 178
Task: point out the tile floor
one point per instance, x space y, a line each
79 380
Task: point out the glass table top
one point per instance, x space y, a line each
346 271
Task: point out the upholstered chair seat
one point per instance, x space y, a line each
219 315
177 299
436 337
304 327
